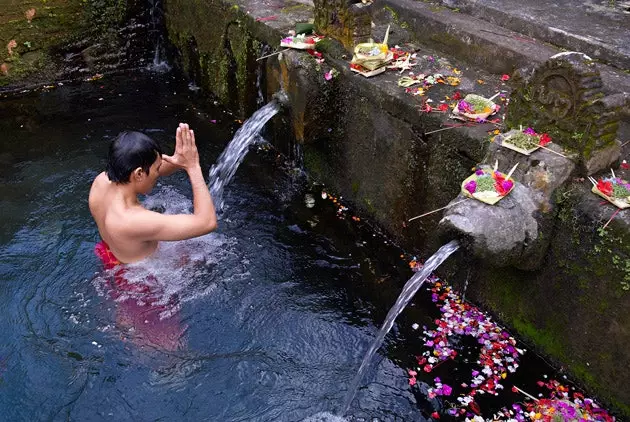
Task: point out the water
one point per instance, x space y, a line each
222 172
408 292
156 22
256 321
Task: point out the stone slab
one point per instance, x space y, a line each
483 43
599 28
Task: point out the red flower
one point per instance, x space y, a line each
505 78
427 108
544 139
457 96
435 415
605 187
317 54
474 407
443 107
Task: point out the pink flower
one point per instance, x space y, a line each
412 381
328 75
30 14
503 187
471 186
10 46
505 78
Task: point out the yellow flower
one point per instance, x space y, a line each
452 80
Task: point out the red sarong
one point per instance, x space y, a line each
149 328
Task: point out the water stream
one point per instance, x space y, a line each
408 291
222 172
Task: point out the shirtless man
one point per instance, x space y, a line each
130 231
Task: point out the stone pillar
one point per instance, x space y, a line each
348 21
563 97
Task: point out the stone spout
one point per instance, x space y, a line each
517 230
281 98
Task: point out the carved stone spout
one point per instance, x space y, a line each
516 231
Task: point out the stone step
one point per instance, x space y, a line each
482 43
600 29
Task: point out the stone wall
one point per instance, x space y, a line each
369 146
576 310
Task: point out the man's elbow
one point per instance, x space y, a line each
211 226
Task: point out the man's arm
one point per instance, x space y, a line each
148 225
166 169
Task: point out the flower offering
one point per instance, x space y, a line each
488 185
614 189
525 141
475 107
300 42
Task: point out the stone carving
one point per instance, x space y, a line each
564 97
348 21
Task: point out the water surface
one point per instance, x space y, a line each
253 322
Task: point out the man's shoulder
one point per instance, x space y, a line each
99 183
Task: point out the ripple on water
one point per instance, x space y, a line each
325 417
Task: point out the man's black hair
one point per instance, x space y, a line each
129 151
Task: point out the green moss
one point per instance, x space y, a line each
295 8
355 187
548 339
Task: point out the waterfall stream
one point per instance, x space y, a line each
408 291
222 172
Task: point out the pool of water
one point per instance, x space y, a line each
254 322
266 319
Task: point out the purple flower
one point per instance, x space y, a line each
446 390
471 186
464 107
479 172
529 131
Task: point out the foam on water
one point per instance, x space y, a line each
176 272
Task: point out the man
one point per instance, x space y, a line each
129 231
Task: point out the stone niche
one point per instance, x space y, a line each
564 97
348 21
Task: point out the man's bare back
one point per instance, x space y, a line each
135 163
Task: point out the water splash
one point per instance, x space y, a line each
222 172
177 272
408 291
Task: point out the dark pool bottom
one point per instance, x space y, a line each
265 320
